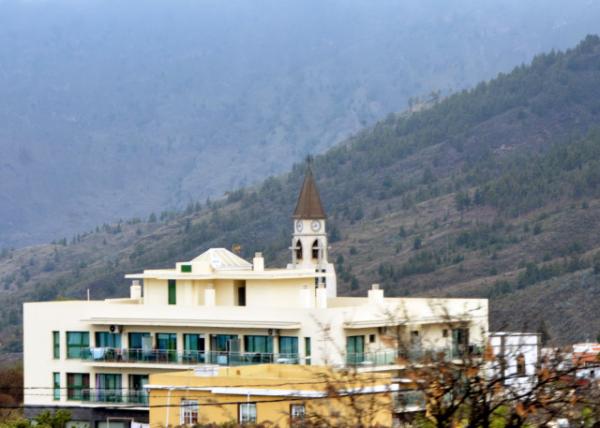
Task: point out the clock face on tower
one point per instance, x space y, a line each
299 225
315 225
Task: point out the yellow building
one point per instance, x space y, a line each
271 394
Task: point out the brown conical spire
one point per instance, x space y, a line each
309 203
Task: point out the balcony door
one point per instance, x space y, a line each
225 349
288 350
108 388
355 349
137 394
166 343
193 347
105 339
460 342
140 346
258 349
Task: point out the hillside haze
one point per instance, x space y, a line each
118 109
492 192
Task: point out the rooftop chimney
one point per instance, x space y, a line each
375 294
258 262
135 291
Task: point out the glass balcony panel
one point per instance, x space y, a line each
159 356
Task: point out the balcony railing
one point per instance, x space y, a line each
159 356
113 395
411 355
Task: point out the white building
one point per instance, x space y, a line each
516 359
585 358
94 357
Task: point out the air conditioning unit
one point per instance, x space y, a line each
116 328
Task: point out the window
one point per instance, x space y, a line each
172 292
415 339
355 349
316 249
56 386
224 349
193 346
77 424
297 415
502 364
56 345
113 424
140 341
188 412
247 413
224 342
241 295
104 339
108 388
445 332
520 365
137 392
78 343
167 346
258 344
372 338
298 250
460 341
140 347
288 348
186 268
307 350
78 386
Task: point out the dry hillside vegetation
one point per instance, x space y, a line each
492 192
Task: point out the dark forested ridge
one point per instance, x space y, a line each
116 109
492 192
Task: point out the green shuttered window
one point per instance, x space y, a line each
172 292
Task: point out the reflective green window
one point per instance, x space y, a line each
258 344
167 346
56 386
78 343
56 345
172 292
105 339
288 345
78 386
307 349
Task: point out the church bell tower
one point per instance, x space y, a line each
309 239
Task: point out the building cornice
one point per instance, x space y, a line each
193 322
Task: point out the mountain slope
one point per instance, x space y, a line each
116 109
492 192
